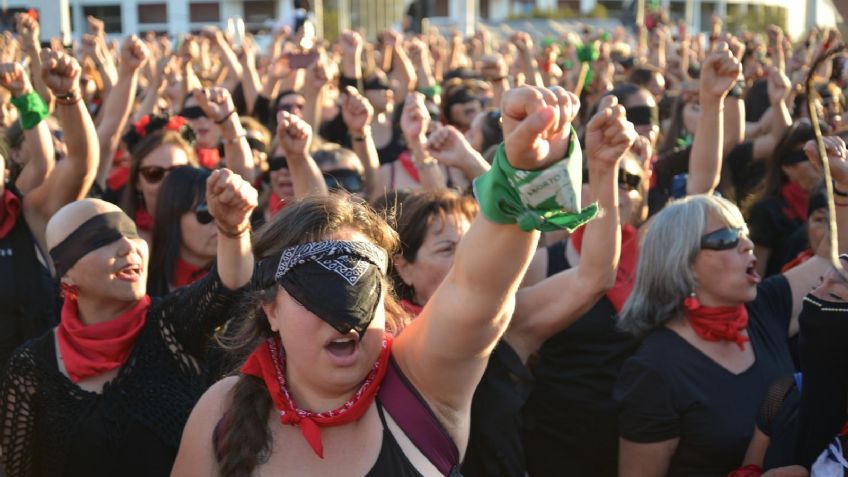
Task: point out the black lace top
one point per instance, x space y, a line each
50 426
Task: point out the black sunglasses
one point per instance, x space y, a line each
155 174
345 179
722 239
201 213
276 163
192 112
625 179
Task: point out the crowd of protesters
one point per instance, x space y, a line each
600 254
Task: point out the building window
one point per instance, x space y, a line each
109 14
204 12
258 12
153 13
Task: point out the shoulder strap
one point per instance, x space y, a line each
417 421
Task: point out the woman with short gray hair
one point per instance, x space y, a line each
714 335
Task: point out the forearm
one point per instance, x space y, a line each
532 76
313 107
39 156
352 66
705 158
499 87
430 175
34 55
235 260
307 178
116 111
250 84
366 150
236 149
406 71
734 123
230 59
602 239
474 165
148 104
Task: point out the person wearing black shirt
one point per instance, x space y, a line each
714 336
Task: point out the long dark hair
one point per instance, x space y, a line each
243 436
131 200
771 185
182 190
414 217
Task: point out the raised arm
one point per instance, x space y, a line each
37 148
445 350
402 64
451 149
352 57
295 136
414 122
30 33
231 199
718 74
357 114
780 119
524 43
250 83
72 178
119 103
218 105
555 303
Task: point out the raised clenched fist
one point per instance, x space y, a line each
609 134
14 78
59 71
537 125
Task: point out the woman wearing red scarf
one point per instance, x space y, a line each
108 391
307 400
28 200
431 224
714 337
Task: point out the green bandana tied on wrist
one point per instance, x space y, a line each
31 109
545 200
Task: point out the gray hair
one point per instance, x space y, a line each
664 274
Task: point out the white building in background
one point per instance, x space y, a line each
173 17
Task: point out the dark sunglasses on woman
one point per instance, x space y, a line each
276 163
201 213
155 174
722 239
345 179
192 112
626 180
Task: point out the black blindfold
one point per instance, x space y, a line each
643 116
96 232
341 282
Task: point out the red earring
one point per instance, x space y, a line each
69 292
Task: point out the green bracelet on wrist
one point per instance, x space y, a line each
545 200
31 109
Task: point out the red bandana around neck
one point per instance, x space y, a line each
208 157
186 273
717 323
91 350
625 274
405 159
143 219
268 363
276 204
796 201
10 209
411 308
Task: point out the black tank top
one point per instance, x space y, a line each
391 462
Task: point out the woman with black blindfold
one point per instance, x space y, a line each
306 401
714 335
108 390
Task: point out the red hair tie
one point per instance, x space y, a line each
176 123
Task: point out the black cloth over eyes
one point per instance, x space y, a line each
642 115
325 292
96 232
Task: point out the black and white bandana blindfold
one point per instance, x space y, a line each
339 281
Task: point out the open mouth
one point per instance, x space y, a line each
752 274
342 347
129 273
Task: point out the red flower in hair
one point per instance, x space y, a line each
176 123
33 13
141 125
